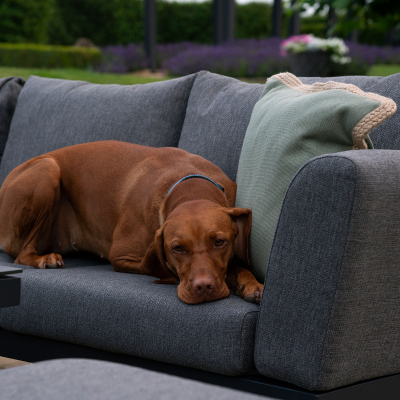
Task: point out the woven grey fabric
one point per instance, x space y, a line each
54 113
217 115
129 314
72 379
387 134
330 313
9 92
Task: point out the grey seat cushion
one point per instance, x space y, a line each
129 314
9 91
218 112
72 379
54 113
387 134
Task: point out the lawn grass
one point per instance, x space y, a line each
77 74
383 70
132 79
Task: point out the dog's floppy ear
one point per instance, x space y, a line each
154 263
242 219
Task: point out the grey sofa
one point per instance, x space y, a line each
73 379
330 313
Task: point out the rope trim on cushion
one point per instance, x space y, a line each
366 124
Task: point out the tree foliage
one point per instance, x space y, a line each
253 20
358 14
109 22
102 21
25 20
181 22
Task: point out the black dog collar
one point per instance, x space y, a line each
196 176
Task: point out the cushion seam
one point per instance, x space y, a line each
242 344
201 73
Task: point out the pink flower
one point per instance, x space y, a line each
306 38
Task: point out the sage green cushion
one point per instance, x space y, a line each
290 124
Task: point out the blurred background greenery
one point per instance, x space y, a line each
111 22
33 24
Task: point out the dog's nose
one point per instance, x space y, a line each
203 285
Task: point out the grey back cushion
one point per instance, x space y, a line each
55 113
387 134
9 91
219 111
217 115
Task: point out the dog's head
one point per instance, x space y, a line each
196 244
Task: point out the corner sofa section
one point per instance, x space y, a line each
328 316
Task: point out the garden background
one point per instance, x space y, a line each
38 37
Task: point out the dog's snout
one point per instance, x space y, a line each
203 285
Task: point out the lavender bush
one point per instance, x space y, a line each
374 54
244 58
165 51
364 56
121 59
262 58
240 58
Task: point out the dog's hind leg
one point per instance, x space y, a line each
29 200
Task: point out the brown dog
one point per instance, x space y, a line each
128 203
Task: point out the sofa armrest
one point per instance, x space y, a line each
330 313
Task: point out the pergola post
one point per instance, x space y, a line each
224 20
331 21
229 23
294 21
277 18
150 32
217 21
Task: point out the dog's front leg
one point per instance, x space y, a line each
126 263
245 284
146 265
129 245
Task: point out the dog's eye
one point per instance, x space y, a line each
177 249
219 242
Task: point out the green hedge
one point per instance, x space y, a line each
314 24
111 22
45 56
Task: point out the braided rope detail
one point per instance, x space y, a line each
366 124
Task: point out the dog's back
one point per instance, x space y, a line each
97 182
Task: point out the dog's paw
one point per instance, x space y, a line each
251 292
49 261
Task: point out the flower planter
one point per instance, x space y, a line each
310 63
